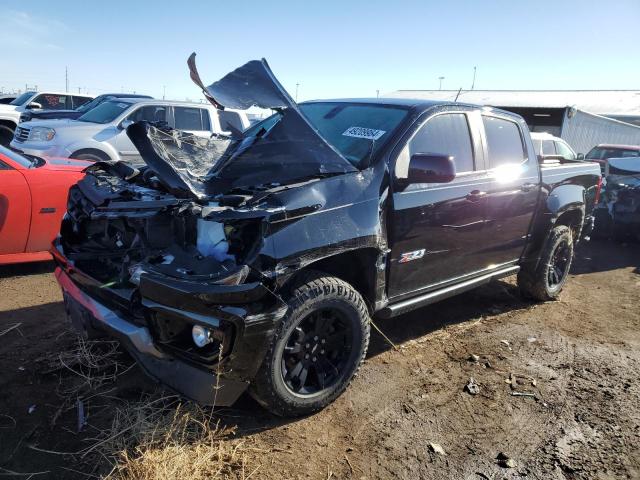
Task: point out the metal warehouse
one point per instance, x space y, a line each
584 118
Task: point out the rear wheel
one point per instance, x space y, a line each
546 281
317 349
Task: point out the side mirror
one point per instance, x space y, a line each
34 106
580 156
125 123
431 168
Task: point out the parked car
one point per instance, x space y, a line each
33 199
548 145
29 115
10 114
618 214
7 98
603 152
259 261
100 133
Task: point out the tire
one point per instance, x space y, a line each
91 157
547 280
6 135
298 346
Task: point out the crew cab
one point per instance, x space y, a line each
77 112
33 199
258 260
99 134
10 114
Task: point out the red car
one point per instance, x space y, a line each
33 199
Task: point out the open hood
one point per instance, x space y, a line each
283 149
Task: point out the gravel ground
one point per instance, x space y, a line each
406 415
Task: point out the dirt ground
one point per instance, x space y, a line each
579 357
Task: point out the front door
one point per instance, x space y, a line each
436 230
15 210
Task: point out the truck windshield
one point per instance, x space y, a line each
85 107
356 130
105 113
22 98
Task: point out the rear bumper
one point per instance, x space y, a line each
219 384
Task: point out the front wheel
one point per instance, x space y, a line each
545 282
317 349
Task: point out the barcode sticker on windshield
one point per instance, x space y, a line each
362 132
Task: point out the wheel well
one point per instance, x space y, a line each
572 219
8 123
356 267
91 151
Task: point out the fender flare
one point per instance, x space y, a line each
103 147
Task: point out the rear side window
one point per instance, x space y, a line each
230 118
503 141
188 118
565 151
446 134
548 148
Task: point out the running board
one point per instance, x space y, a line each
405 306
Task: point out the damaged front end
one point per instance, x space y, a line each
168 271
620 207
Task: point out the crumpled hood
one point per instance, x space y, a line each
289 150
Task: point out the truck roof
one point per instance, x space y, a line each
614 145
416 104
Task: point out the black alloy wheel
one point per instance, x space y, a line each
316 352
560 260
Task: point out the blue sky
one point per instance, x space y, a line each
331 48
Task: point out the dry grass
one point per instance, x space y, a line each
167 439
156 437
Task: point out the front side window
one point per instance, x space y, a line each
504 142
51 101
446 134
188 118
565 151
150 113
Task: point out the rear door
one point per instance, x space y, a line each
15 210
513 191
436 230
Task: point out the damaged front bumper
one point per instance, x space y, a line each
243 316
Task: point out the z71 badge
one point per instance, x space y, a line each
409 256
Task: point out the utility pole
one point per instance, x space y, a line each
164 91
297 85
78 89
377 93
440 78
473 84
66 79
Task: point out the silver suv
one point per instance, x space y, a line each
100 133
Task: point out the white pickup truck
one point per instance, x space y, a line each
100 133
10 113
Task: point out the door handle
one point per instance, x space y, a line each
475 195
526 187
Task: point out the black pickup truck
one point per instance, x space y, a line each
258 260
